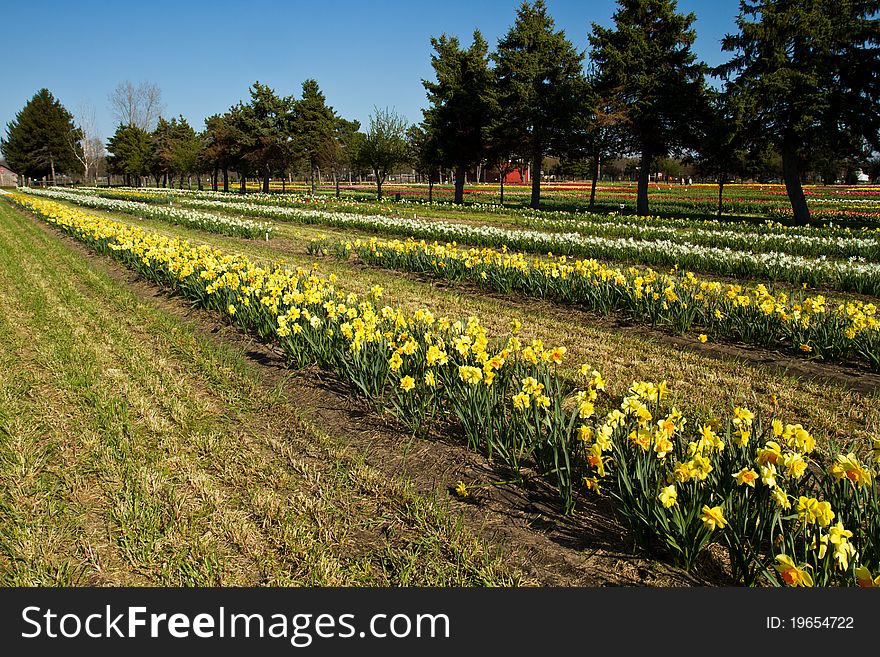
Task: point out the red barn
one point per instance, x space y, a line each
517 175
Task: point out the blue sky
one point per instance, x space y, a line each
204 56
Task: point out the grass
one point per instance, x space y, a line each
703 384
135 451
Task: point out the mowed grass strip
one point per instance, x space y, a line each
135 452
703 385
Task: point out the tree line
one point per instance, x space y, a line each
802 86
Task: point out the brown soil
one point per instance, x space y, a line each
586 548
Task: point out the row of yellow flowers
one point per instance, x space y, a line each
673 300
751 484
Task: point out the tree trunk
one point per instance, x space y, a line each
458 199
597 159
720 193
52 164
314 179
199 181
225 179
336 182
266 181
792 176
644 178
378 185
537 158
216 178
430 189
501 175
242 183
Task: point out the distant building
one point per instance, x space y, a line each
515 176
8 177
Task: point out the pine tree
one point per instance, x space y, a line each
461 104
267 124
41 139
131 153
538 72
315 124
811 69
646 68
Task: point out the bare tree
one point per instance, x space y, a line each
86 142
137 105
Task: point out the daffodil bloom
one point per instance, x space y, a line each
468 374
681 472
461 489
521 401
584 433
592 483
407 383
795 465
791 573
865 580
713 517
813 511
662 446
746 477
781 498
770 453
430 379
849 466
230 309
776 426
703 337
668 496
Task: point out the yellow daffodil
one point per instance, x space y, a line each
713 517
668 496
791 573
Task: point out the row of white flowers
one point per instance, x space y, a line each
672 250
832 242
188 217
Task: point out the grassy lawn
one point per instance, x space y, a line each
134 451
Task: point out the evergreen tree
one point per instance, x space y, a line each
538 72
41 139
461 104
315 124
724 145
186 149
131 153
811 69
161 165
424 154
646 68
267 124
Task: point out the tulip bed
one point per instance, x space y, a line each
678 303
787 510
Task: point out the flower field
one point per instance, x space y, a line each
785 509
181 216
679 303
668 247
